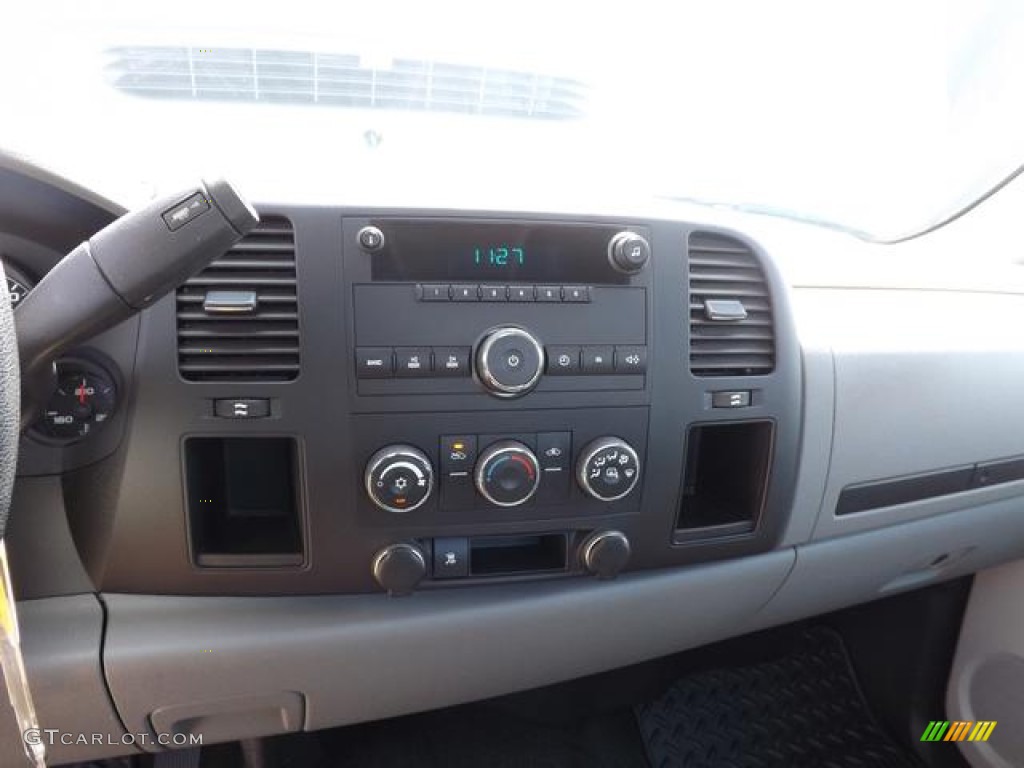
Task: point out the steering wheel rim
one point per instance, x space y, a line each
10 408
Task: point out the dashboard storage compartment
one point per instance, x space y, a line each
727 468
243 503
508 555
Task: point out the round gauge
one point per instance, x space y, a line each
18 285
85 399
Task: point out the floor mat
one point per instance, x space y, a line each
803 710
468 737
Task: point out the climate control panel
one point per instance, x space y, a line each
504 472
424 471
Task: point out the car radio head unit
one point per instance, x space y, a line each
494 251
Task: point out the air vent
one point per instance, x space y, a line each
238 319
730 309
341 80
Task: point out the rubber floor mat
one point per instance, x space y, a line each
473 736
803 710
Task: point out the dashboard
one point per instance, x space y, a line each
403 441
437 401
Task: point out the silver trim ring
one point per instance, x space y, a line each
391 452
487 378
614 243
377 233
591 450
596 538
496 449
390 551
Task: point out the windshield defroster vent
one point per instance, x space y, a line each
238 319
269 76
731 330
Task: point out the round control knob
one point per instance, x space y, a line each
608 468
398 568
371 239
399 478
507 473
605 553
629 252
509 361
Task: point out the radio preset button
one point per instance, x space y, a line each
465 293
549 293
632 359
493 293
375 362
598 360
563 361
433 292
576 294
451 361
521 293
413 362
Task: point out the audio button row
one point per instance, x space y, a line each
411 362
596 360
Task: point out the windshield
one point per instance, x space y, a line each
880 117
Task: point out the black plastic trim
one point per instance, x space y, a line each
904 490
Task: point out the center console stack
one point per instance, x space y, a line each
466 399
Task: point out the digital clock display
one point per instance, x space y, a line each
499 256
463 250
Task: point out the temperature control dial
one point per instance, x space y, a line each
608 468
399 478
507 473
509 361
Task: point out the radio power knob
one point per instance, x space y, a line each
509 361
605 553
629 252
398 568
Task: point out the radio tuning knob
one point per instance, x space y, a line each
509 361
398 568
629 252
605 553
399 478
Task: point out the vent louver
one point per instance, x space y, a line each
731 332
238 319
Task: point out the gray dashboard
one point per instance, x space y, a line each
887 390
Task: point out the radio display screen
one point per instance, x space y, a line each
495 251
